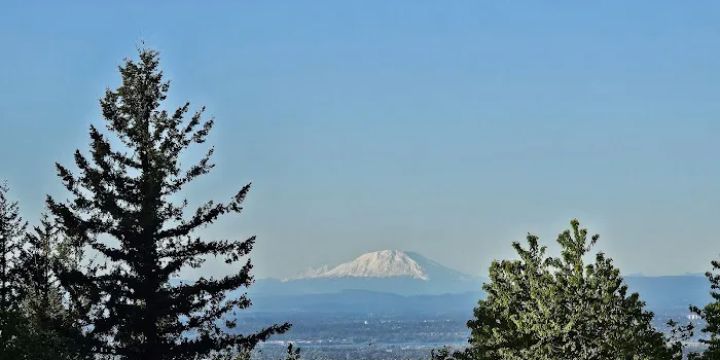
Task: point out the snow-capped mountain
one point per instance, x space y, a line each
396 282
396 271
379 264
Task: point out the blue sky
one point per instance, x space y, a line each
447 128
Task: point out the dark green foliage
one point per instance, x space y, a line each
52 330
443 354
541 307
39 291
123 208
710 313
292 353
12 230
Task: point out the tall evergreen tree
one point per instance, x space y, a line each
541 307
38 291
123 208
12 230
52 332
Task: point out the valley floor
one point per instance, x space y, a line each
376 337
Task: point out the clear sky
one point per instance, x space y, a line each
450 128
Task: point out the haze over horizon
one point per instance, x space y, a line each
450 129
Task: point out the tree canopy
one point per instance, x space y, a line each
710 314
12 230
124 206
543 307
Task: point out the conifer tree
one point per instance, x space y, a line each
12 229
710 314
52 332
542 307
293 353
124 207
38 290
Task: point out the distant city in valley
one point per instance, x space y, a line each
395 304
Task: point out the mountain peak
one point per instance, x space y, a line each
391 271
377 264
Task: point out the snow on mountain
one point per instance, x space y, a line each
378 264
387 271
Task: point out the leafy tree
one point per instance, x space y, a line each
542 307
12 229
124 207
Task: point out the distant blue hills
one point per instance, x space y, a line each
355 302
671 292
396 282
